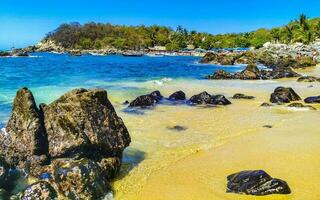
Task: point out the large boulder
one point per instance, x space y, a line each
40 190
278 73
83 123
284 95
78 179
176 96
24 141
206 98
256 182
315 99
146 100
251 72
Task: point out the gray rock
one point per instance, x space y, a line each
179 95
256 182
84 123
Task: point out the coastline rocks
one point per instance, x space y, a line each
256 182
315 99
242 96
84 123
24 142
78 179
220 75
251 72
205 98
300 105
278 73
179 95
308 79
40 190
146 100
4 54
284 95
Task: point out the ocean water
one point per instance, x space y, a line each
50 75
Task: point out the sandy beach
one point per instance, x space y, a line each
194 164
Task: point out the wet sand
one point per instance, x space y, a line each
193 164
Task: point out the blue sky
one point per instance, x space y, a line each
26 22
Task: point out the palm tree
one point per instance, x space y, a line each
289 32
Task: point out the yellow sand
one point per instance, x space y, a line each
194 164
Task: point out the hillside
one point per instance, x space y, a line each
101 36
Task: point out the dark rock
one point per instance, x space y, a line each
256 182
21 54
110 167
206 98
308 79
26 140
178 128
157 95
4 174
221 74
219 100
279 73
284 95
300 105
267 126
40 190
218 58
202 98
79 179
83 123
179 95
143 101
126 102
242 96
251 72
266 104
315 99
147 100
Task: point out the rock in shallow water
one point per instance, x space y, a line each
146 100
256 182
300 105
308 79
179 95
284 95
205 98
315 99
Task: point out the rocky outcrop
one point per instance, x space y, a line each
4 174
256 182
176 96
315 99
80 137
25 141
251 72
308 79
242 96
284 95
83 122
146 100
40 190
206 98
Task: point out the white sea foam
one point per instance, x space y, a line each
298 109
162 81
109 196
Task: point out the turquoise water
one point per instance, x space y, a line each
50 75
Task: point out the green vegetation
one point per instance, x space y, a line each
98 36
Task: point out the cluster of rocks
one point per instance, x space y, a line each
204 98
252 72
282 95
73 146
280 61
256 182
